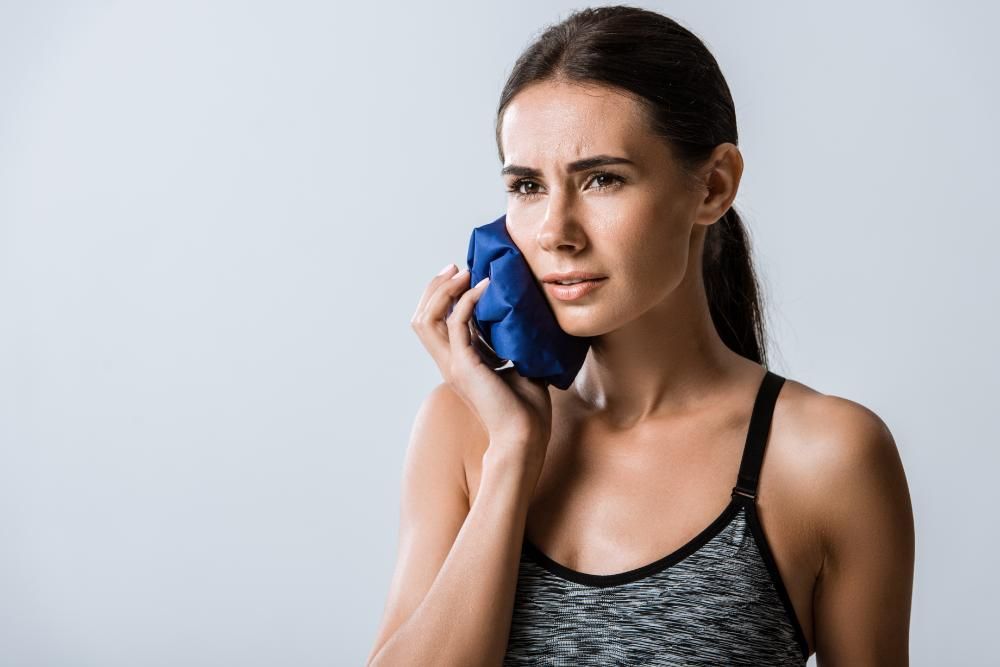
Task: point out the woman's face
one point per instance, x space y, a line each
635 222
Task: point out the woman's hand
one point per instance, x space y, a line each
515 411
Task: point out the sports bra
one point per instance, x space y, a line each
717 600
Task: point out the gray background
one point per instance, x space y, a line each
216 220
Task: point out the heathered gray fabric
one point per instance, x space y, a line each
711 602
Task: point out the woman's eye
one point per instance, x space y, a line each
515 188
614 179
605 181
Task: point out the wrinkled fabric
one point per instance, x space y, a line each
513 316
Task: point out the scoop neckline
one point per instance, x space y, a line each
536 555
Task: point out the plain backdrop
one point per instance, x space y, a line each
216 220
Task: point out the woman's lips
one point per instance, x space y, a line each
572 292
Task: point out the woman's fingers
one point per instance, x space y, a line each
429 321
459 337
431 288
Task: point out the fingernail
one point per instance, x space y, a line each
446 268
482 281
460 274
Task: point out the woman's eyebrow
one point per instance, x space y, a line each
578 165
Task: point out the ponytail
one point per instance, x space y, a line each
731 285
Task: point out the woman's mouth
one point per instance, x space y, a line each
574 291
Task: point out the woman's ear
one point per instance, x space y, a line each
720 178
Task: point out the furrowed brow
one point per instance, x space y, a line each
572 167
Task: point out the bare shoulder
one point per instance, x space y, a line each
839 458
463 437
830 428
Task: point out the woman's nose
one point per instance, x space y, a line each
560 229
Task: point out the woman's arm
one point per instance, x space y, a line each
452 593
863 592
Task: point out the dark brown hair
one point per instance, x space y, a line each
676 79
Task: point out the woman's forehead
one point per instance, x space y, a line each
566 122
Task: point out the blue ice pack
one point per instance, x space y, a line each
512 316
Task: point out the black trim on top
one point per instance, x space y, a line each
746 492
603 580
764 548
743 494
756 441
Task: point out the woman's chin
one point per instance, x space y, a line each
581 326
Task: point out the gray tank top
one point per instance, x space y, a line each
717 600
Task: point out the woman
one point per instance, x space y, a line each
633 518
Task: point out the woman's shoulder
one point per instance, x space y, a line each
842 479
460 434
829 431
833 457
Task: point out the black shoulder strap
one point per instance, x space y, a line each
760 426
